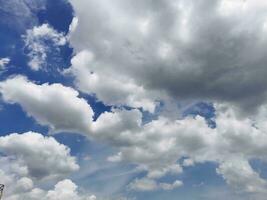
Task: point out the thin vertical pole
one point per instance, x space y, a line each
1 190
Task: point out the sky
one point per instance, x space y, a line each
133 100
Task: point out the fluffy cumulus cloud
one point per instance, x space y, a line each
158 145
54 105
39 41
239 174
119 90
30 159
63 190
66 189
31 150
4 62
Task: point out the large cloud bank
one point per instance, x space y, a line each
157 146
136 52
142 53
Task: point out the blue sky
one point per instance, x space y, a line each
133 99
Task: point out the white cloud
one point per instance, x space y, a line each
36 41
31 161
54 105
173 169
37 156
158 145
111 89
66 189
240 175
167 186
146 184
4 62
63 190
188 162
73 26
115 158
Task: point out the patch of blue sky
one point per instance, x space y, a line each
57 14
202 109
191 193
96 173
13 26
260 167
148 116
201 174
14 120
98 106
197 180
108 179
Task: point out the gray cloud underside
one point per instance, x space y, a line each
200 50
